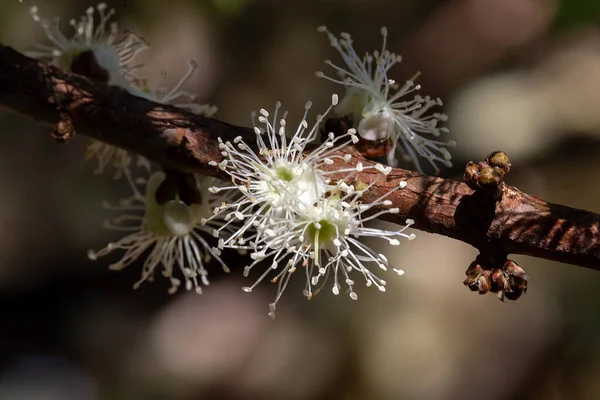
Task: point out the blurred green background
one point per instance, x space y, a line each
522 76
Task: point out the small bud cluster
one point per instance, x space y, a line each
493 274
508 280
488 176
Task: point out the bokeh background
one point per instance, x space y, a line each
522 76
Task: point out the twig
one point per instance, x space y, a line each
180 141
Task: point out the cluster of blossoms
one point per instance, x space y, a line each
293 214
291 203
169 232
381 108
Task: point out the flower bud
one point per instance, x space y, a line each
499 159
489 178
471 175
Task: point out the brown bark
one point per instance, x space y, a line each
181 141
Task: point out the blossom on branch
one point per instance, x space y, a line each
295 215
98 52
169 235
381 107
95 50
279 178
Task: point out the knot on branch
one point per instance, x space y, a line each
488 176
505 278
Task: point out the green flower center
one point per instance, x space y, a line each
284 173
321 237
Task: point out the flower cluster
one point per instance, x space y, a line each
381 108
292 204
295 215
171 232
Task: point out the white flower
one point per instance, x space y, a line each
112 53
280 179
324 241
170 233
120 159
291 211
377 105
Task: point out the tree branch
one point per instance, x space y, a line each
181 141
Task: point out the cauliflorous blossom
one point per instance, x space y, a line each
168 237
294 215
112 53
383 109
324 240
278 176
119 158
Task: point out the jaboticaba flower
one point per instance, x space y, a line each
168 235
119 158
98 48
293 214
279 179
381 107
324 241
